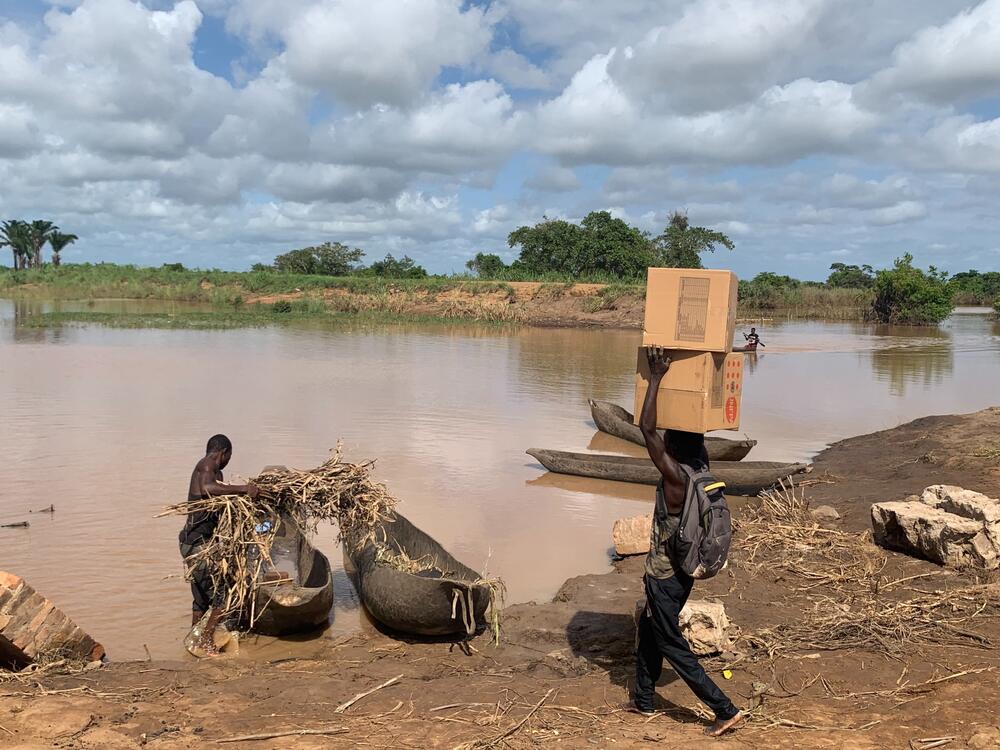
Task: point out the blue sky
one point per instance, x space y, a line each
221 132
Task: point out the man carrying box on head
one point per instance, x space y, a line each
667 585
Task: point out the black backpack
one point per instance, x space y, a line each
700 545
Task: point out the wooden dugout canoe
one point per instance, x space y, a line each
615 420
447 600
302 603
741 477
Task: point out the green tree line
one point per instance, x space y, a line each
600 246
26 239
337 259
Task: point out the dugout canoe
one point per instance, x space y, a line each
302 603
615 420
741 477
448 600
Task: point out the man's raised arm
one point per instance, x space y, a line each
659 363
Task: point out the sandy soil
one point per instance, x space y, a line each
565 665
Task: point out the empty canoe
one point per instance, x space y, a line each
741 477
615 420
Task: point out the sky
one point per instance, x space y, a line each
218 133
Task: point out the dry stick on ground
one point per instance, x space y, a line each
287 733
344 706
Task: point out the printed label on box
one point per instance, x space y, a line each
732 409
692 309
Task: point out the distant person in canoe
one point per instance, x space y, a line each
207 481
667 585
753 340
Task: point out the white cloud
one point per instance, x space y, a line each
434 127
951 62
899 212
718 54
369 51
594 120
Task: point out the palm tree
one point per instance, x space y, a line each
15 235
39 231
58 241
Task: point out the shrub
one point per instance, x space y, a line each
282 306
328 259
906 294
396 268
487 265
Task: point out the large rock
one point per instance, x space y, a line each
825 514
32 627
947 525
706 627
704 624
631 535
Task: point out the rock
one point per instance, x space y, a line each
926 530
988 739
32 626
631 535
704 624
706 627
965 503
825 514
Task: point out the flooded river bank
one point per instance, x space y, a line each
107 424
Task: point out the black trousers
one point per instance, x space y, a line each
660 638
202 591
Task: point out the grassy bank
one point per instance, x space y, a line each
111 281
257 298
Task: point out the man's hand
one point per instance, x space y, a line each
658 360
252 491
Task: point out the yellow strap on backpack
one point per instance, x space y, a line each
715 486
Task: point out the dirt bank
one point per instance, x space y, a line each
532 303
862 680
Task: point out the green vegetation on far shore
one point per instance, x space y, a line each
254 298
175 283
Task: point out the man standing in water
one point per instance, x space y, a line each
206 481
667 586
753 340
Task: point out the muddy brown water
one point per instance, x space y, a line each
107 424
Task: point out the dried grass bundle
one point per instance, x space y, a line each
336 491
239 552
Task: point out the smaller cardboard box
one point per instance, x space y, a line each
688 308
702 391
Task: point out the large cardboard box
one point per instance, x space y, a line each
701 391
690 308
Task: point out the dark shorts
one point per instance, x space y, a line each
202 590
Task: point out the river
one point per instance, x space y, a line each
107 424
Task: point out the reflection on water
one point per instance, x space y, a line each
107 424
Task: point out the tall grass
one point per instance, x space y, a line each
807 302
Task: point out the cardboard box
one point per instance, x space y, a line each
702 391
690 308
